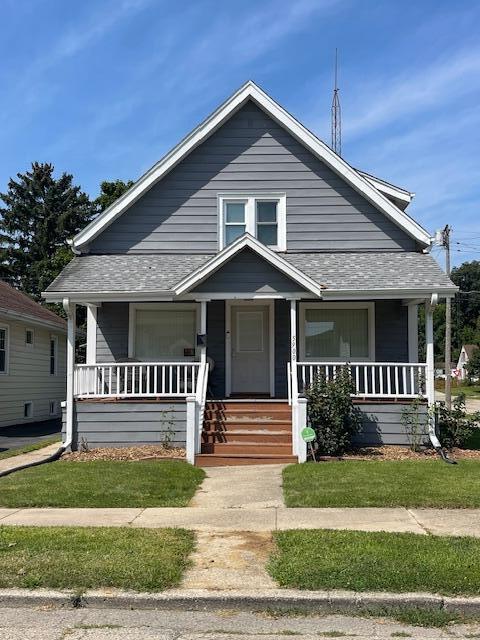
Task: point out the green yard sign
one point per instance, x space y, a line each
308 434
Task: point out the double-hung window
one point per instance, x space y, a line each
53 355
262 216
3 349
337 332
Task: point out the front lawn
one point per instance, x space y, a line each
102 484
397 483
90 558
376 561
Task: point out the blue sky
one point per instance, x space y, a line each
104 88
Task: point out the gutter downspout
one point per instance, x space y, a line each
429 306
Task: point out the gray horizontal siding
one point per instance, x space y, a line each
282 346
247 273
391 331
251 153
381 423
216 347
112 332
121 424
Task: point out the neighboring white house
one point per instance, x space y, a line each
32 359
463 358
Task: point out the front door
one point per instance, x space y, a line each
250 349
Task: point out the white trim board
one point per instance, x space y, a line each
246 241
250 91
229 304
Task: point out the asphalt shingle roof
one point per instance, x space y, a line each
12 300
340 271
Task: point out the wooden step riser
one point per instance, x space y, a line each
247 406
245 449
226 461
257 438
218 415
250 425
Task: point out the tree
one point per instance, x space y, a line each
473 366
467 303
41 213
111 191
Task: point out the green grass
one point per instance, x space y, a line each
89 558
10 453
376 561
102 484
407 483
470 390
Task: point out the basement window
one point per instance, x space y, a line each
28 409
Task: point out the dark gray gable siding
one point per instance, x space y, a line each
247 272
251 153
112 332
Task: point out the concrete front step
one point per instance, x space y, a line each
221 460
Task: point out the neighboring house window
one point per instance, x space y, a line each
53 407
53 355
29 337
337 332
163 333
261 215
28 409
3 349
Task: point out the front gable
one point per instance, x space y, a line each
251 151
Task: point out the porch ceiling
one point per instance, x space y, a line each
138 274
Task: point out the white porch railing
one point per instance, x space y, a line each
129 380
370 379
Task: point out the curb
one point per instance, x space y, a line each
200 600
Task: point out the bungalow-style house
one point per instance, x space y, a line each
245 261
32 359
465 355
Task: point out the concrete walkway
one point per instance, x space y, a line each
242 487
459 522
26 458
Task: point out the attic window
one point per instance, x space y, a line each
262 215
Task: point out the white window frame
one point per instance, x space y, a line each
28 403
250 199
162 306
54 409
7 348
53 338
31 344
370 306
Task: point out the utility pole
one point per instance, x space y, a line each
448 323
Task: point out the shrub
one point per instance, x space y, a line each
454 425
331 412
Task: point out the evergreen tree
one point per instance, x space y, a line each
41 213
111 191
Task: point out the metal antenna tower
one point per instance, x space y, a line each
336 114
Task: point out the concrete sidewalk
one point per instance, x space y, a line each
31 456
457 522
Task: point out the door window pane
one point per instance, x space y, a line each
164 334
336 333
249 331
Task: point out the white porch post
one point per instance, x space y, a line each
71 310
203 329
294 380
91 334
430 381
301 422
191 443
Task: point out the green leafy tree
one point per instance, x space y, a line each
473 365
111 191
40 213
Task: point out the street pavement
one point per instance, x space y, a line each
124 624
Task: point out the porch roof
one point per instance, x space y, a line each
157 274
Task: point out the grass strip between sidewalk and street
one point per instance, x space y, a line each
102 483
385 483
376 561
18 451
88 558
